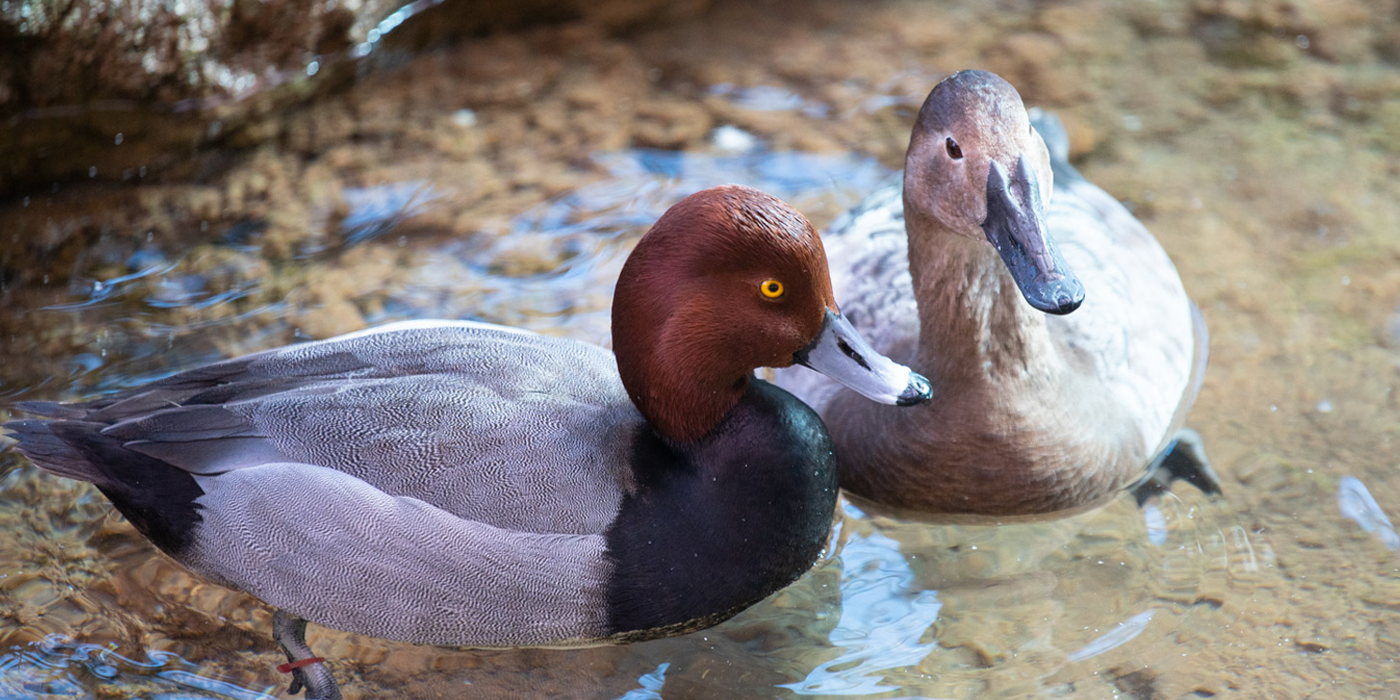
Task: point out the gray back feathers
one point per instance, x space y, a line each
434 482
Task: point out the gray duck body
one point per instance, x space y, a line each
454 483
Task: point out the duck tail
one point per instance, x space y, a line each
157 497
47 444
53 409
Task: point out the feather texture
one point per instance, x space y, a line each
437 483
1081 419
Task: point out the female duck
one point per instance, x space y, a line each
468 484
972 281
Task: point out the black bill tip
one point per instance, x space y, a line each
1016 227
1058 297
918 391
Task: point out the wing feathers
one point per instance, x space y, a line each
183 424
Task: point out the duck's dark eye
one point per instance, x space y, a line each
954 151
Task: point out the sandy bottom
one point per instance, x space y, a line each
506 178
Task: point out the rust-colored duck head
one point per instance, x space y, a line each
977 168
728 280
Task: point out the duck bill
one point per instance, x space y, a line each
840 353
1015 226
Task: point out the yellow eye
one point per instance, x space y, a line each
771 288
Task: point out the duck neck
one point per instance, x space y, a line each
684 392
973 320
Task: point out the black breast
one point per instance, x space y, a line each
717 525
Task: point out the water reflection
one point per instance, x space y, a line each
1357 504
555 269
1155 522
1124 633
884 617
99 291
768 98
1030 608
377 210
651 685
58 667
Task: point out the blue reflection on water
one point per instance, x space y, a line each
1356 503
1120 635
57 667
884 615
642 183
378 209
99 291
1156 523
651 685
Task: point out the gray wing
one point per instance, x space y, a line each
867 251
510 429
1135 329
333 549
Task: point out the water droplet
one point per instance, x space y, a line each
1303 42
119 139
313 68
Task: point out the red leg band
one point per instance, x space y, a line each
294 665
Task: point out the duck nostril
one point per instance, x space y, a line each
850 352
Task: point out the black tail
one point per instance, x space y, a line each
158 498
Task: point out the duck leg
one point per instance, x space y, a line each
1184 460
308 670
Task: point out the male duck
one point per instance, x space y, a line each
468 484
1039 410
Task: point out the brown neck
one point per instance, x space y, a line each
681 386
973 321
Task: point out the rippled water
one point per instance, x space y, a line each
1263 162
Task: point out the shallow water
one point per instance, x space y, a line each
506 178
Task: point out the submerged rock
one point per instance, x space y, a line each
157 78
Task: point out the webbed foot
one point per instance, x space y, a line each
1184 460
308 671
